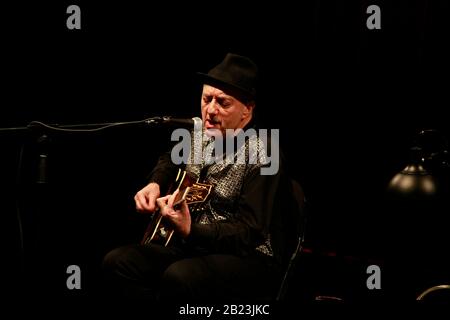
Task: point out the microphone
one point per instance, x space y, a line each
195 122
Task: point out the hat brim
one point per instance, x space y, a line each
216 82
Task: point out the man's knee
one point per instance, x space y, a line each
182 279
175 275
116 258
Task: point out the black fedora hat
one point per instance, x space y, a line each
235 72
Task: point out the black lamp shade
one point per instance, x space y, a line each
414 180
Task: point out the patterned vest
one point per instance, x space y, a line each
226 171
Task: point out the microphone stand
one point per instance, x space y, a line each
29 247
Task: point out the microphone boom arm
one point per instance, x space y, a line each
95 127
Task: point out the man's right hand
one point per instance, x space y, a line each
146 198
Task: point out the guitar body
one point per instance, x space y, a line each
192 192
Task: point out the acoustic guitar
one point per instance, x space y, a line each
194 193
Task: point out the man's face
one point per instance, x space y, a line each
222 111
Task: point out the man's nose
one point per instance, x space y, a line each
212 107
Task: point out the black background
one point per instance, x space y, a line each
347 100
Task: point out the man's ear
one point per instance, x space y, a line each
248 109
